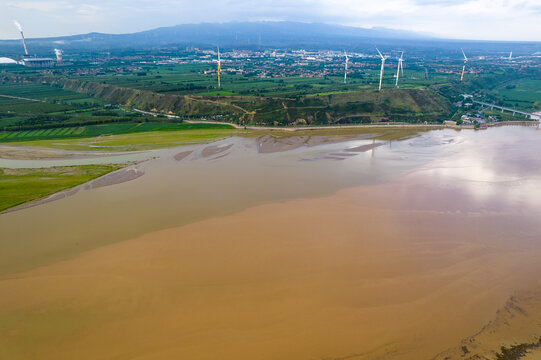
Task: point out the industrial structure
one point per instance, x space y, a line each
34 61
58 54
37 62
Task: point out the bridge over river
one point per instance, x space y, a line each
513 111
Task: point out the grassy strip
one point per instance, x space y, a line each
516 352
18 186
137 140
103 129
162 139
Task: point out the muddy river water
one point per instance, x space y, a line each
312 248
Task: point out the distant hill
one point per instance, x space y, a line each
264 34
231 34
341 108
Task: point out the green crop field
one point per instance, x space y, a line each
522 94
35 105
41 92
25 107
18 186
191 79
255 90
106 129
138 140
68 109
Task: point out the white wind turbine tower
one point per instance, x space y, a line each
400 68
464 67
219 68
346 68
383 58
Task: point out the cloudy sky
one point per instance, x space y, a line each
463 19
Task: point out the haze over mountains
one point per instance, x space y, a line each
267 33
237 35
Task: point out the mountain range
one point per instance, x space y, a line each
262 34
231 34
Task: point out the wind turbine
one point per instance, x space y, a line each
464 67
219 66
346 68
383 58
400 68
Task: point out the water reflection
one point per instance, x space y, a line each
497 169
494 170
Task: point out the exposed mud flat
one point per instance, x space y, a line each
364 148
32 153
182 155
349 152
270 144
215 149
12 152
117 177
516 327
51 198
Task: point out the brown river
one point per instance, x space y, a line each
311 248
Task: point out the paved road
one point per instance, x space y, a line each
21 98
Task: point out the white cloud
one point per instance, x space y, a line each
43 6
474 19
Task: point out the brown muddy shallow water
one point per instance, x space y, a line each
398 252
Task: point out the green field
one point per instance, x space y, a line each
41 92
138 140
522 94
261 91
18 186
44 106
191 79
105 129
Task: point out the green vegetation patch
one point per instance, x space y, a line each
140 140
519 351
18 186
522 93
379 132
105 129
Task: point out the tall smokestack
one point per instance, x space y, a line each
22 35
58 55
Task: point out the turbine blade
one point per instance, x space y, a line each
463 53
379 52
